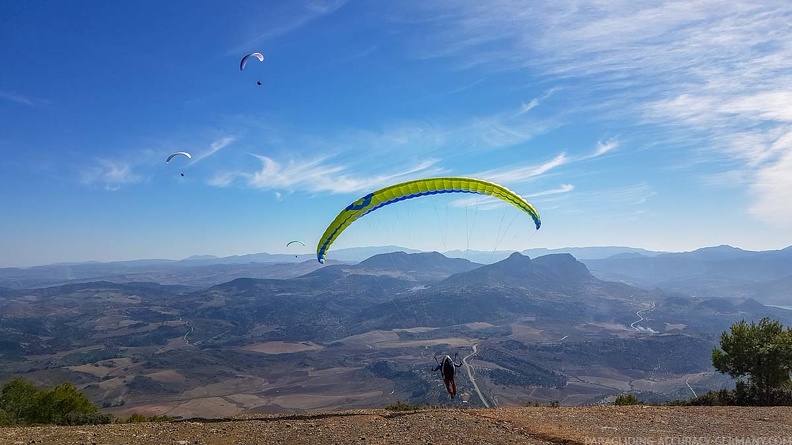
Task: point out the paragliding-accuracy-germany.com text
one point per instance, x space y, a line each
689 440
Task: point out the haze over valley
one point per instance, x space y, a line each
220 336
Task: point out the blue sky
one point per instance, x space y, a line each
662 124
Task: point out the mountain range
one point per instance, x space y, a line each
364 335
721 271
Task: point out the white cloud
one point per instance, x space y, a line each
483 202
214 147
533 103
223 179
317 175
276 25
773 191
402 142
131 167
630 195
324 6
110 174
523 173
358 55
480 202
604 147
718 71
565 188
728 178
526 107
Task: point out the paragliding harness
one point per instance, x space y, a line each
448 371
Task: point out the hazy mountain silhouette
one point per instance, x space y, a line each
551 272
713 271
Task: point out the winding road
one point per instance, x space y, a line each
470 374
632 325
687 382
192 328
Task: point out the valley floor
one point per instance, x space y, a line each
633 425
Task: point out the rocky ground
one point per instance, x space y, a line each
633 425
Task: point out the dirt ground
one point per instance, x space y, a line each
634 425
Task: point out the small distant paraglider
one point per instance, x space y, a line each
244 61
178 153
293 242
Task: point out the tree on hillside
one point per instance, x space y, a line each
58 404
762 352
18 398
23 403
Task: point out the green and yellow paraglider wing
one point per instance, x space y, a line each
415 189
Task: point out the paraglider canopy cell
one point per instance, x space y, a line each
178 153
244 60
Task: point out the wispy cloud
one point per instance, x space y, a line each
533 103
480 202
214 147
773 189
630 195
719 68
16 97
526 107
524 173
111 175
317 175
622 203
324 6
728 178
358 55
307 13
466 87
565 188
602 148
129 167
488 202
402 141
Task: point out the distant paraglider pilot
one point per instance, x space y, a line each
179 153
448 370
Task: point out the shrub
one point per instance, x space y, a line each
86 419
22 403
140 418
401 406
626 399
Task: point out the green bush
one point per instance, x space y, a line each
140 418
744 394
553 404
136 418
86 419
626 399
22 403
401 406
